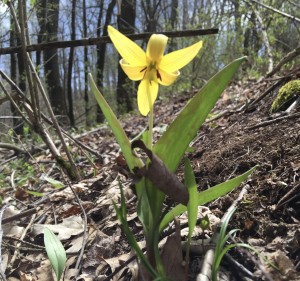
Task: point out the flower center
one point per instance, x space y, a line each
152 72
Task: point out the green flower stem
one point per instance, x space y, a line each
150 130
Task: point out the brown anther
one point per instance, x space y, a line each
158 75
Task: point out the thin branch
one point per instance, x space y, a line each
1 234
105 39
290 56
274 10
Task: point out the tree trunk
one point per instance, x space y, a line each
17 123
173 23
126 23
70 67
48 14
185 16
101 49
86 66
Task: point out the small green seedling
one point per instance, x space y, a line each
55 252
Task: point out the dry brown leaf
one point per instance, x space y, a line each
172 258
70 226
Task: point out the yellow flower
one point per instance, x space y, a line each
152 66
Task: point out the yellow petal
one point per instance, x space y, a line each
147 94
178 59
167 78
128 50
134 73
156 47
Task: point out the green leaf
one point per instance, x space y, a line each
206 196
55 183
192 206
171 147
122 216
116 127
35 193
55 251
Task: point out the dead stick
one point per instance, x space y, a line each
104 39
20 215
205 274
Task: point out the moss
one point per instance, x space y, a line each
285 94
67 167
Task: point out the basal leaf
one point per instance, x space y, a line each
55 251
55 183
192 206
115 126
171 147
206 196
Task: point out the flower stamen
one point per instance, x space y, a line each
158 75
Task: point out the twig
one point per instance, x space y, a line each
45 118
1 235
275 120
21 238
13 147
37 247
84 237
250 106
105 39
205 274
291 55
20 215
293 193
240 268
274 10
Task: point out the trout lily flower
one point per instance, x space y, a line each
151 67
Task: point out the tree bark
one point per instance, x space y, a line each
70 67
86 66
126 23
50 11
17 122
101 50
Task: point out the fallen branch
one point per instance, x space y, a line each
290 56
13 147
104 39
274 10
206 271
275 120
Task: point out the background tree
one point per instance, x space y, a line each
125 88
48 15
70 67
101 48
19 80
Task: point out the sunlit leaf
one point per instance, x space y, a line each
171 147
115 126
192 207
206 196
55 183
35 193
55 251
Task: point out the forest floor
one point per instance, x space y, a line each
233 140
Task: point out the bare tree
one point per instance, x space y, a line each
17 123
86 62
101 48
70 67
126 22
48 14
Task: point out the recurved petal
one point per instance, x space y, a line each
156 47
178 59
147 94
134 73
167 78
128 50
